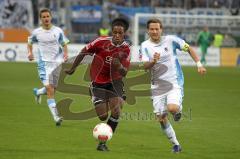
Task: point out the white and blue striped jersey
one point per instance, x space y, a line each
50 43
167 69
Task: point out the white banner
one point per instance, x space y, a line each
18 52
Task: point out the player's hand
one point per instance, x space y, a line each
156 57
119 67
30 57
69 71
116 63
202 70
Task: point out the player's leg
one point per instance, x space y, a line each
53 72
38 92
115 105
169 131
102 113
98 95
174 106
160 109
52 104
175 110
204 52
42 75
174 103
116 100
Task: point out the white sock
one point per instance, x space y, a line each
41 91
53 108
170 133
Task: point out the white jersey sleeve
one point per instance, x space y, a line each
180 43
32 38
63 40
144 55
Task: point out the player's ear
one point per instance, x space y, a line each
148 31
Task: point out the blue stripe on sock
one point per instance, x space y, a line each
165 126
51 101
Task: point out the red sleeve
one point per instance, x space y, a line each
92 47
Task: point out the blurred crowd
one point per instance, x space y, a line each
188 4
86 19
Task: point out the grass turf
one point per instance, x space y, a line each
28 131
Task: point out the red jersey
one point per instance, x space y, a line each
104 51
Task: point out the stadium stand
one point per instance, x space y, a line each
82 19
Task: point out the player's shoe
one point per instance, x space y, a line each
177 116
37 97
59 121
102 147
176 149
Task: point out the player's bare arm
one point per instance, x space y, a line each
30 53
65 53
201 69
149 65
76 62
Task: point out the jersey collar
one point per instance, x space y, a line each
117 45
49 28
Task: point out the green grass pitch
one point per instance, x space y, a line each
209 131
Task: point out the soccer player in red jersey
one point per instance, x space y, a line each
110 64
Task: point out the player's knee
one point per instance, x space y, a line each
116 103
50 91
103 117
162 118
116 114
49 88
173 108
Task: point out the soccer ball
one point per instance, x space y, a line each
102 132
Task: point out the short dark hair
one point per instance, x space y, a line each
154 20
44 10
120 22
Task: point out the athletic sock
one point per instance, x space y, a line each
41 91
170 133
53 108
113 122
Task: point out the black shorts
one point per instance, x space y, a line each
101 93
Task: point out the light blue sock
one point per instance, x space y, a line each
53 108
170 133
41 91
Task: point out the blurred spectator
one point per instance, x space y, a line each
103 31
234 11
229 41
204 40
235 4
218 39
113 13
201 3
216 4
178 3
